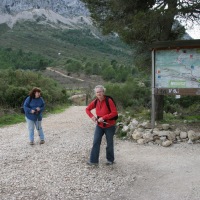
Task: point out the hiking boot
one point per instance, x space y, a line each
92 164
109 163
31 143
42 142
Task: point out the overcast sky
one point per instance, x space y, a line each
194 32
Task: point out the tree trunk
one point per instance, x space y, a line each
159 106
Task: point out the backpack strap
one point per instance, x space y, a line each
95 103
107 103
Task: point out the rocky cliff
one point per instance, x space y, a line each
66 8
56 13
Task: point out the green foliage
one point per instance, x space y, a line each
73 66
130 95
46 42
142 20
16 84
108 73
185 102
21 60
85 38
140 23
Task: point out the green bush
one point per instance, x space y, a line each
16 84
130 95
20 60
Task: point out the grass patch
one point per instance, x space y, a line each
170 118
11 119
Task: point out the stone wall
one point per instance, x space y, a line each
163 134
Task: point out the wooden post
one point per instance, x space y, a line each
152 91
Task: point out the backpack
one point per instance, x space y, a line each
108 106
22 105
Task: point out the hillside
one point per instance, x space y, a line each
58 38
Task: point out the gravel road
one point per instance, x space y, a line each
58 170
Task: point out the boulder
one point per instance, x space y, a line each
166 143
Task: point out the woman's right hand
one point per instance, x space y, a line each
94 119
32 111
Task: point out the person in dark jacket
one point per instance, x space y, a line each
104 125
33 107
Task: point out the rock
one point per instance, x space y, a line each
148 137
137 135
165 126
146 125
190 141
193 136
177 132
164 133
159 142
183 135
134 122
141 141
171 136
125 128
163 138
166 143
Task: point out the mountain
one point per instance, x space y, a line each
45 16
57 13
66 8
57 27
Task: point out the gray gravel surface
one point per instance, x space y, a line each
58 169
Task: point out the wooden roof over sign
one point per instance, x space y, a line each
178 44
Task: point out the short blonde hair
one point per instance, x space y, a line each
101 87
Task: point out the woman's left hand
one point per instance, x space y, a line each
38 109
100 119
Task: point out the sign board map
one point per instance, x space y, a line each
177 68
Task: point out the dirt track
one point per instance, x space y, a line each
58 170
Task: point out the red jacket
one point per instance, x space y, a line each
103 111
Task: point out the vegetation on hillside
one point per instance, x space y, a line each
111 72
18 59
75 52
59 45
86 38
16 84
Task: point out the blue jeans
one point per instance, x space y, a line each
31 126
98 134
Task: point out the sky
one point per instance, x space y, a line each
194 32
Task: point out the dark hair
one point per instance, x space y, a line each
33 91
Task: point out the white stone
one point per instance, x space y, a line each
125 128
137 135
171 136
164 133
141 141
166 143
148 137
177 132
183 135
165 126
193 135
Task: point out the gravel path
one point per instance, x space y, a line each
58 170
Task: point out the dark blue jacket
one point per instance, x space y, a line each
32 105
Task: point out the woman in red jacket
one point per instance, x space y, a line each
105 124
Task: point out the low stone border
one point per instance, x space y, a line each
163 135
